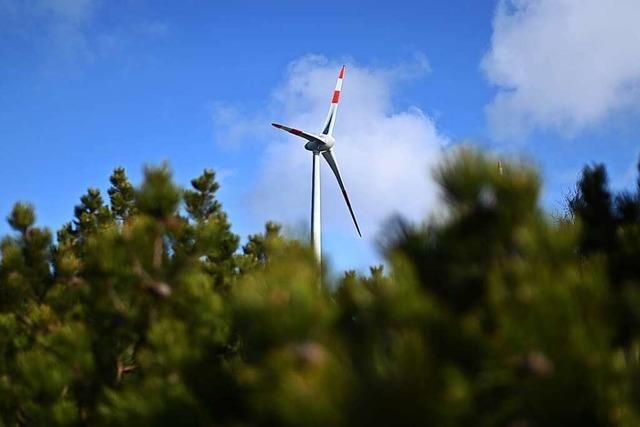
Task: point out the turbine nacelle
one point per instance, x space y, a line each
321 143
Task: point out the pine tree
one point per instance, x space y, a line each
212 238
121 195
146 312
91 213
200 201
594 206
256 250
26 258
610 228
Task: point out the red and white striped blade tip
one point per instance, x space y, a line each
341 75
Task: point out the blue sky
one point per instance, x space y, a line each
88 85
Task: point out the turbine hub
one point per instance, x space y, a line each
327 142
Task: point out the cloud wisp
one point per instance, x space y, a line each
385 154
562 65
67 34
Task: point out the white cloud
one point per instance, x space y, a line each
385 155
562 65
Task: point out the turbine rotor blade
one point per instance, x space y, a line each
297 132
330 122
331 160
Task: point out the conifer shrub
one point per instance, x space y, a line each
145 310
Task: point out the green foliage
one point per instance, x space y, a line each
90 214
121 195
256 251
610 229
147 312
22 217
158 196
200 202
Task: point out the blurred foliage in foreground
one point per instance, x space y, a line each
145 311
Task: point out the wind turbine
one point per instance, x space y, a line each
322 144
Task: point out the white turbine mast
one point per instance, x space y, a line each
323 144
